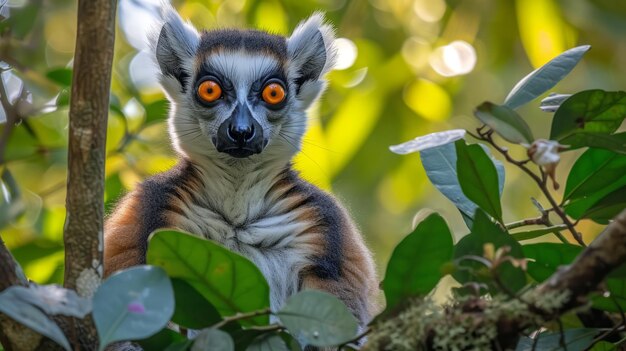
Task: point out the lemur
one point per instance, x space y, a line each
238 101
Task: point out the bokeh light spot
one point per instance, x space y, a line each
346 53
454 59
430 10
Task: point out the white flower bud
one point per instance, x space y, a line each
545 153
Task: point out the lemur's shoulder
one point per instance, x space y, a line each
140 212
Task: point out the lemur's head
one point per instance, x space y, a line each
241 94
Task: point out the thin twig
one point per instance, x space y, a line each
11 115
541 182
525 222
240 316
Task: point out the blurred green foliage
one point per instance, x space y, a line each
403 82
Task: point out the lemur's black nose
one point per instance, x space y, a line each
240 135
240 132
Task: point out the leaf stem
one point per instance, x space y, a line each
525 222
541 182
240 316
355 339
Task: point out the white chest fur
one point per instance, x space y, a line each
244 219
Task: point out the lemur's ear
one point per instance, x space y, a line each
174 47
311 54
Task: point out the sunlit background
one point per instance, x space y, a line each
405 68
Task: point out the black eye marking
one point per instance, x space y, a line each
285 92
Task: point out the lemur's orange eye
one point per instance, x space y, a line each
209 91
273 93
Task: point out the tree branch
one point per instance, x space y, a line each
89 106
603 255
13 334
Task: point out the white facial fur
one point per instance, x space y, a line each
192 126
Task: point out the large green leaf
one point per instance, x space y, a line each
440 164
415 265
228 280
607 207
188 302
319 319
132 304
594 170
546 258
596 174
161 340
545 77
268 342
598 140
594 111
214 340
485 231
478 178
505 121
575 340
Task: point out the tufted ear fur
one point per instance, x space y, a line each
311 54
174 47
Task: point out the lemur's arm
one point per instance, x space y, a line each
141 212
123 231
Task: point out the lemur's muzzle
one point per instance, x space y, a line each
240 135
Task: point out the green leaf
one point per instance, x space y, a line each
160 340
616 301
428 141
594 111
227 280
485 231
596 174
603 346
478 178
268 342
545 77
595 170
182 345
440 164
61 76
506 122
319 319
536 233
214 340
575 340
188 302
132 304
592 139
546 258
607 207
415 265
31 316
